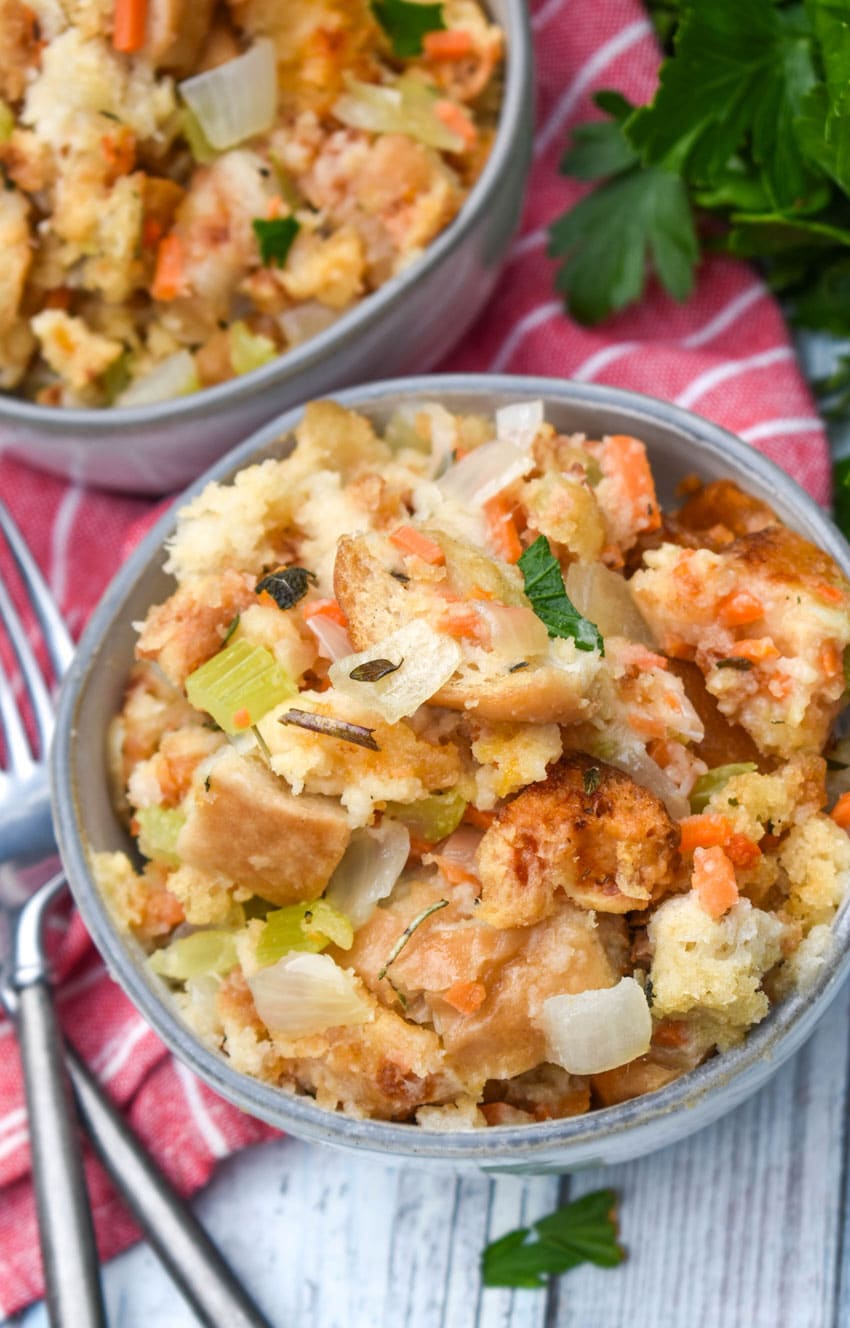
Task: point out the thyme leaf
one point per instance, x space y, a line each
332 728
407 933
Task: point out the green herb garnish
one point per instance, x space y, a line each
640 219
735 662
286 585
584 1231
405 22
591 779
544 586
275 238
750 124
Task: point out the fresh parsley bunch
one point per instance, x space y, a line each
744 149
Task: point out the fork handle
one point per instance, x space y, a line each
170 1225
65 1227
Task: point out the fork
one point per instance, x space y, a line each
26 838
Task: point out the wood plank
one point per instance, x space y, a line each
740 1224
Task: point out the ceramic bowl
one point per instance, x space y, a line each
406 326
678 444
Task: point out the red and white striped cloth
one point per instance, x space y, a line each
725 354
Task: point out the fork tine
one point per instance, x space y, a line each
17 744
60 647
30 671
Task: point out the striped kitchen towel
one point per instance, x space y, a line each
725 354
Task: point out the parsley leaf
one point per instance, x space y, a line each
584 1231
406 22
275 238
544 586
641 215
738 77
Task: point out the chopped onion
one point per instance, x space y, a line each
175 376
333 639
594 1031
519 423
373 862
426 659
487 470
406 107
235 100
461 848
604 597
516 633
303 994
635 761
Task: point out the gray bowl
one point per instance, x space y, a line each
679 444
405 327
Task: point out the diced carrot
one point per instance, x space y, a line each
168 279
713 878
742 851
626 457
705 831
756 649
325 608
830 593
670 1033
466 997
275 208
457 121
128 25
739 608
504 535
242 718
649 726
830 659
483 820
410 540
647 659
841 812
452 44
461 621
119 151
453 872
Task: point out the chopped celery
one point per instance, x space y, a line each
432 818
249 350
309 927
714 780
7 121
239 685
158 831
211 951
199 145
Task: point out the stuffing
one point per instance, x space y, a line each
405 767
228 248
588 831
242 825
458 783
188 628
713 967
79 356
511 756
816 857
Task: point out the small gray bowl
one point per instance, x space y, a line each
406 326
679 444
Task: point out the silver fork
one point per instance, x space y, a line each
26 839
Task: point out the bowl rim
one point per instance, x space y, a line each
775 1037
101 422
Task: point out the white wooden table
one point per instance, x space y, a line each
741 1226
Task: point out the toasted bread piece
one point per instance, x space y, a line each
588 830
190 627
244 824
376 603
